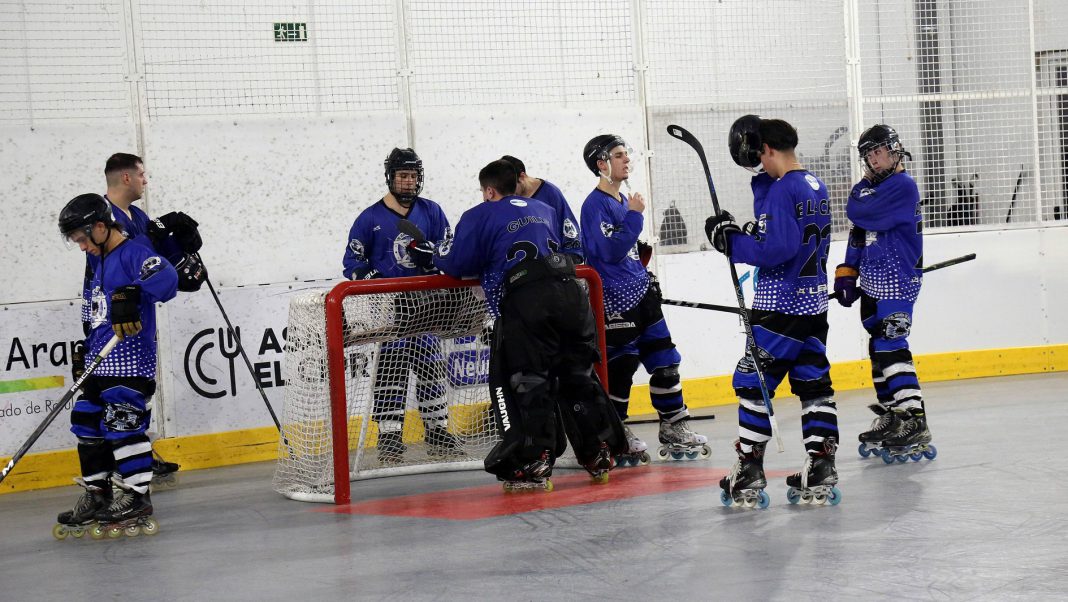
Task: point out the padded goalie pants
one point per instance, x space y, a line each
110 418
541 382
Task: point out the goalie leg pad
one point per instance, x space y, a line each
588 418
526 421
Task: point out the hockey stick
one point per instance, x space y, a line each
1015 191
695 305
407 227
93 365
936 266
241 348
657 420
681 134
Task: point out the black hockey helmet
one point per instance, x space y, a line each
403 159
744 141
881 136
598 149
82 212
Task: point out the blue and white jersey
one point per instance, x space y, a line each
375 243
493 237
891 259
790 245
549 194
127 264
610 239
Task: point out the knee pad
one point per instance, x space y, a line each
92 442
665 378
826 402
621 375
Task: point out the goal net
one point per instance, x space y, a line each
387 377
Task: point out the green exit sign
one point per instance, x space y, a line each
290 32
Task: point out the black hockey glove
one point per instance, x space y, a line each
179 225
191 273
719 228
645 252
654 287
126 311
422 253
77 360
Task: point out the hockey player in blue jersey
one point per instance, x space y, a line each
113 411
377 249
788 241
544 345
636 331
548 193
883 268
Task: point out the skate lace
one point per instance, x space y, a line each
121 503
736 471
805 470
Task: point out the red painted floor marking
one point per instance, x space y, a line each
573 489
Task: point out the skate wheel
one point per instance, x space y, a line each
725 498
706 451
887 456
836 496
916 457
677 455
662 453
97 532
763 500
78 532
807 497
644 459
930 452
863 450
548 485
691 455
792 495
600 479
132 531
114 532
901 459
60 531
150 527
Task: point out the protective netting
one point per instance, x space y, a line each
414 362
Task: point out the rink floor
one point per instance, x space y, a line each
986 520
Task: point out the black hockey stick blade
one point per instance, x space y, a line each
657 420
949 262
60 405
680 133
407 227
696 305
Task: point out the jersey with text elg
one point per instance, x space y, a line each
790 244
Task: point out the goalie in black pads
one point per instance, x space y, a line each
788 241
544 345
377 248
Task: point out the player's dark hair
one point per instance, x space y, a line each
778 134
516 163
500 175
121 162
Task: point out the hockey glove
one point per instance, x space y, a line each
654 288
645 252
126 311
719 228
77 360
179 225
422 253
845 285
191 273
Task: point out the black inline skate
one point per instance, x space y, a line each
130 514
815 484
600 464
163 471
440 443
912 441
745 483
391 447
82 518
532 476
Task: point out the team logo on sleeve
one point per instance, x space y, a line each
400 250
570 231
151 266
812 181
608 229
357 248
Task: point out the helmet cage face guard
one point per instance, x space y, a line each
403 159
604 153
881 137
